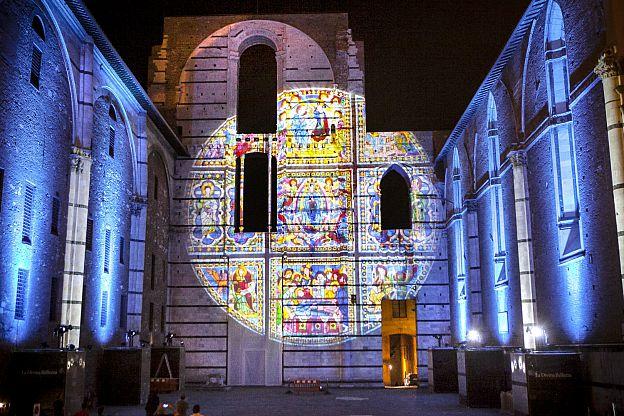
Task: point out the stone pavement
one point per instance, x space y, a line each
273 401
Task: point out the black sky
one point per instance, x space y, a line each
424 58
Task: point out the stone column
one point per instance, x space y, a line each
610 71
474 266
75 244
525 247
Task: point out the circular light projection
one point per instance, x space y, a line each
320 277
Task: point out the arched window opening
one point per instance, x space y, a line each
457 191
562 136
395 198
257 91
460 252
37 27
496 195
112 113
255 192
493 142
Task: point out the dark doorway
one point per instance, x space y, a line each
257 91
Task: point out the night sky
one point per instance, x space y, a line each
424 58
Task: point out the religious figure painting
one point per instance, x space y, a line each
314 126
238 286
313 211
310 300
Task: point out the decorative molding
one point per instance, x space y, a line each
137 203
608 65
471 205
77 157
518 158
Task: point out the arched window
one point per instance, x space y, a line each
562 136
496 194
396 212
37 27
257 91
112 113
459 248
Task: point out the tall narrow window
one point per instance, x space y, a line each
123 309
37 27
152 271
162 318
257 90
562 137
20 295
164 270
496 195
35 67
151 317
104 309
460 252
395 198
237 194
256 192
107 244
111 141
56 213
29 196
1 187
273 193
89 237
155 187
399 309
54 288
122 250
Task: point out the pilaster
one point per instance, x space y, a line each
525 247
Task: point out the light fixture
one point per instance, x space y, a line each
390 367
473 336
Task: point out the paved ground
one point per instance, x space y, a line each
340 402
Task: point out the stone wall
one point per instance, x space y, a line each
577 301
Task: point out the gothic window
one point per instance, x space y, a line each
29 196
395 199
257 91
562 137
496 195
37 27
460 252
111 141
35 67
112 113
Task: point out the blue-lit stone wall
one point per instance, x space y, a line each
578 301
110 208
35 140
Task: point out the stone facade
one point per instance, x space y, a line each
75 132
194 82
575 299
